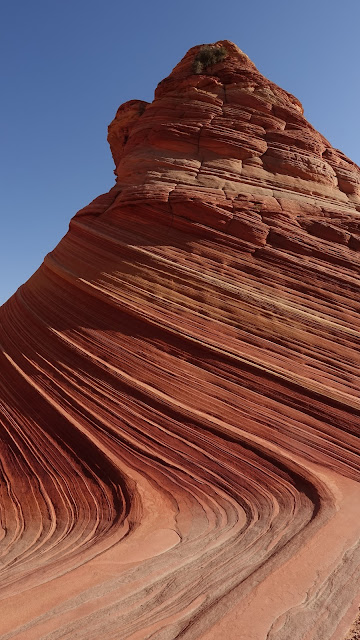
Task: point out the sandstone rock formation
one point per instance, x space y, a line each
179 383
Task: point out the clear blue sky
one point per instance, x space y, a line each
67 65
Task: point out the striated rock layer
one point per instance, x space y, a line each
179 383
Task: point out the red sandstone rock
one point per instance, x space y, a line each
179 383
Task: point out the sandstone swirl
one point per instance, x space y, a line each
179 383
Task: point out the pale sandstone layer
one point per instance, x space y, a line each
179 383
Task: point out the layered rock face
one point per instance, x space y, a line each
179 382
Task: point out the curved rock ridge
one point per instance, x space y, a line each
179 382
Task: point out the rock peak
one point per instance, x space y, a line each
232 66
232 57
217 123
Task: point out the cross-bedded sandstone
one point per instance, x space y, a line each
179 382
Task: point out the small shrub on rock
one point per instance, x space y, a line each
207 56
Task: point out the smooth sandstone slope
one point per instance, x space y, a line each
179 383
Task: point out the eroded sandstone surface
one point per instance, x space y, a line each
179 383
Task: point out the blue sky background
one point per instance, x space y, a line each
67 65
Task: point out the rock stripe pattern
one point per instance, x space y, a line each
179 383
